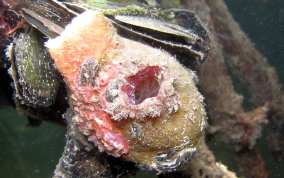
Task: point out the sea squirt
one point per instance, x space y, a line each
131 100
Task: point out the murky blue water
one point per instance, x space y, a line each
34 152
263 23
27 151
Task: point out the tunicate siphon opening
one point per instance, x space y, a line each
145 84
147 88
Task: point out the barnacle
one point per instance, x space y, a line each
131 100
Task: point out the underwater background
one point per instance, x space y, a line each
33 152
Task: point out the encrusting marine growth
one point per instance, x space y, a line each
131 100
